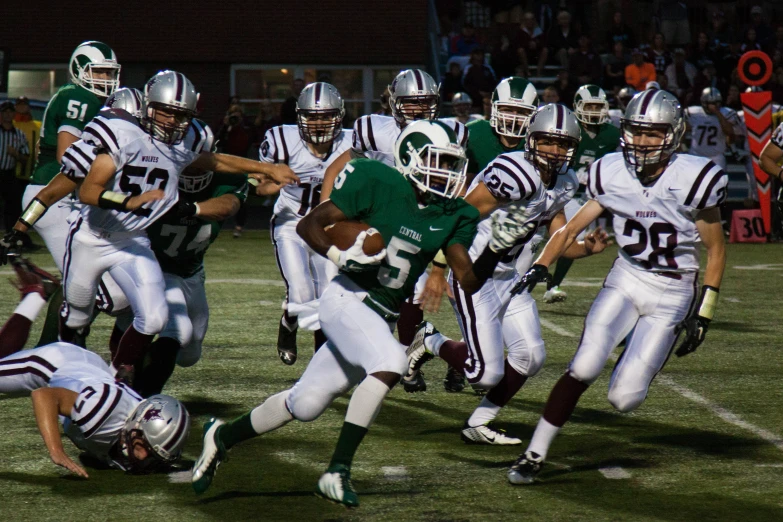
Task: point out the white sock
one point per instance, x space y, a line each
289 326
31 306
434 342
486 412
542 438
272 414
366 402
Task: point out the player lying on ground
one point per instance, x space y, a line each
417 213
101 416
664 205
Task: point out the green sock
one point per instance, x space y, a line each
561 269
236 431
51 328
350 437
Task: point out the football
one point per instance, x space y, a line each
343 236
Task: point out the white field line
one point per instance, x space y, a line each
260 282
614 472
395 473
180 477
719 411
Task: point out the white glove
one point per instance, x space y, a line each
507 230
354 259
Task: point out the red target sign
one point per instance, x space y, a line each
754 68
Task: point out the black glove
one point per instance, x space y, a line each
536 274
695 328
186 209
11 242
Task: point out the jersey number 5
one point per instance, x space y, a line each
395 275
157 179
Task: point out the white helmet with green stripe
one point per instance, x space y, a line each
94 66
430 156
590 105
514 100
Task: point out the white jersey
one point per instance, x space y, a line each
615 115
374 136
655 226
143 164
510 177
707 137
283 144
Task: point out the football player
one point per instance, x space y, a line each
599 138
624 96
542 177
309 147
131 184
712 127
461 107
514 101
664 204
413 95
417 213
100 415
769 159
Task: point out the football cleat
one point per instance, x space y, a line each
414 382
335 485
286 344
526 468
212 455
454 381
33 279
555 295
126 373
417 352
487 434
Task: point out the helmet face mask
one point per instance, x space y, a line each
461 105
414 108
413 96
514 101
646 144
711 96
155 433
195 183
169 106
94 67
319 113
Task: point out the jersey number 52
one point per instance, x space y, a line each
133 177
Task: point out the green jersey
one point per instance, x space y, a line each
378 195
484 146
69 110
594 148
180 243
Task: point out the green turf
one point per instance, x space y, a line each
685 462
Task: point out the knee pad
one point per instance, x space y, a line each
189 355
527 360
307 405
585 368
489 379
151 322
394 361
625 402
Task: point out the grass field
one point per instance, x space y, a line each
705 446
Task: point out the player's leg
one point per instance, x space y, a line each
198 311
323 271
612 315
53 226
293 260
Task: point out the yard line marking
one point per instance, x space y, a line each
261 282
779 465
768 266
268 303
395 473
180 477
614 472
719 411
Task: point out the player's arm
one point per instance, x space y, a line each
93 190
594 243
268 188
770 159
48 404
333 170
64 140
54 191
695 326
229 164
213 209
481 198
726 126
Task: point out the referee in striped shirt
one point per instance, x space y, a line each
13 149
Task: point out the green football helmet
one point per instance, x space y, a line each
591 105
514 100
90 58
429 155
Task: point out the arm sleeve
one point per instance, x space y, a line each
93 406
361 142
594 186
353 192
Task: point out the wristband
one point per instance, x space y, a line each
708 301
33 212
440 259
485 264
333 254
113 201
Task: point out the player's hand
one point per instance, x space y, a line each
536 274
136 202
61 459
432 295
282 174
695 328
597 240
355 260
506 230
186 209
12 242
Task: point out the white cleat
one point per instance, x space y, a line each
336 485
555 295
487 434
212 455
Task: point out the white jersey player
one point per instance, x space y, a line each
493 319
308 147
141 164
624 96
664 205
100 415
713 128
461 105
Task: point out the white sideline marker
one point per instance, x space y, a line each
180 477
614 472
395 473
719 411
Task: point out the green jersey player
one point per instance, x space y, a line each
417 213
599 138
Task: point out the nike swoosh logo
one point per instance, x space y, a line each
434 229
673 189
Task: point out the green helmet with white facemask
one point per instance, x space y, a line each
87 60
514 100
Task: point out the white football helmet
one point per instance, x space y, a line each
127 99
172 93
160 424
319 113
90 58
590 105
514 100
552 122
413 95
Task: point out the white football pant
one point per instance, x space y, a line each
188 315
